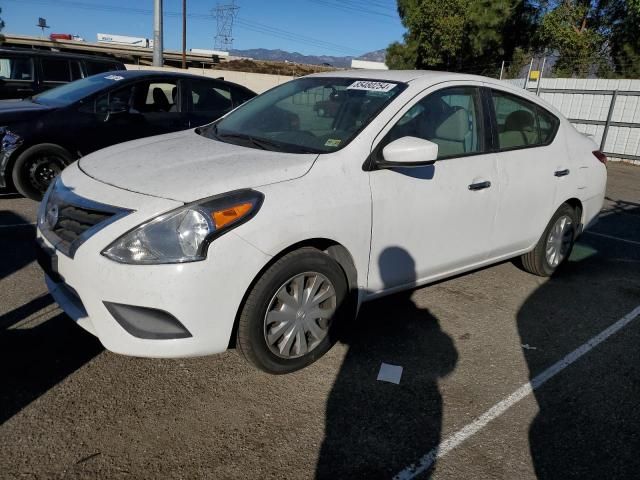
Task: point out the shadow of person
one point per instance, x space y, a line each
374 429
588 421
17 244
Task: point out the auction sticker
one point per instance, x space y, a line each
117 78
372 86
333 142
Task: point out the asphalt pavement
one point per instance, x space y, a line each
505 375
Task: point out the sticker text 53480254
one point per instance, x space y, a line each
372 86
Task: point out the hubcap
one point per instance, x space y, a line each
43 170
299 315
559 241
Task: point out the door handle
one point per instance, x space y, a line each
479 186
562 173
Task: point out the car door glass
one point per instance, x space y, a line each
12 68
55 70
161 97
116 100
547 124
210 98
450 118
517 121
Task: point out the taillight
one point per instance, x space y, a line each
601 156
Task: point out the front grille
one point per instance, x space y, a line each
68 220
73 221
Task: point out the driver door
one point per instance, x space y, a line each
441 215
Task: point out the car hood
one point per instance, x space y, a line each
186 166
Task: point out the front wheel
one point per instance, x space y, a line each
289 317
555 245
36 168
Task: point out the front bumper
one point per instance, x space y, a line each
203 296
9 143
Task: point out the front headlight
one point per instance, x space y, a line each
183 235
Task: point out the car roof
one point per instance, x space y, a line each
167 73
50 53
428 77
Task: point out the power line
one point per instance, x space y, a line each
242 23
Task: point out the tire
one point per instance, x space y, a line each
540 261
36 167
262 310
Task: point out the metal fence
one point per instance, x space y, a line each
607 110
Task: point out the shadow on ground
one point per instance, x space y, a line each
374 429
588 421
16 244
35 352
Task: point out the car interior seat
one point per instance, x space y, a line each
454 134
519 130
160 100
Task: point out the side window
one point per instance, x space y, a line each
451 118
55 70
240 96
208 97
76 70
161 97
521 123
547 124
93 68
16 68
115 100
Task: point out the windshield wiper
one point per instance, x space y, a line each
262 144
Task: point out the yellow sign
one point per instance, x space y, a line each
535 75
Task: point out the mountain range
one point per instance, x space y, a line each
295 57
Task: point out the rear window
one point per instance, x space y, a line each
16 68
94 68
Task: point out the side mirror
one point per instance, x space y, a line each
408 152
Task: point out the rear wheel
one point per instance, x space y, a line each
36 167
555 245
289 318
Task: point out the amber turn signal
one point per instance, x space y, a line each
231 214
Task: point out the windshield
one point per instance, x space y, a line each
309 115
74 91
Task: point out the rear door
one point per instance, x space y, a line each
160 103
56 71
17 76
530 168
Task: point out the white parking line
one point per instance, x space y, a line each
633 242
501 407
18 225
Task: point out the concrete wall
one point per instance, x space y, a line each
258 82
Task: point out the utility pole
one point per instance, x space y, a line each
158 49
184 34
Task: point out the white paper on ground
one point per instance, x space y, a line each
390 373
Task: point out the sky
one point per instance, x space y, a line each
312 27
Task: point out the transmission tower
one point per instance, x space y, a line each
225 15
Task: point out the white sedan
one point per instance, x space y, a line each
268 228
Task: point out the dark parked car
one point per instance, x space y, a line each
26 72
43 134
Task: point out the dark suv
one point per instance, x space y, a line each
25 72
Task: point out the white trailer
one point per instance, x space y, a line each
125 40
